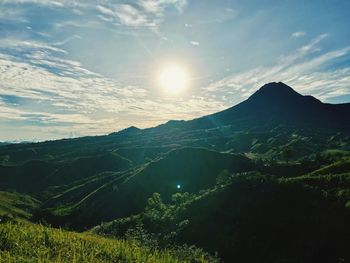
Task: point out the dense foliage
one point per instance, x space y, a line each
290 218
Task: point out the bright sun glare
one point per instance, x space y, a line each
173 79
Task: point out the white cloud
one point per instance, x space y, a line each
156 6
59 95
298 34
40 2
134 13
195 43
22 45
131 16
301 70
141 13
12 15
104 10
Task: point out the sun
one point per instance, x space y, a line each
173 79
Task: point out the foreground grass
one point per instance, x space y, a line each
25 242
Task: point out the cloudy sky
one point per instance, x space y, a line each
80 67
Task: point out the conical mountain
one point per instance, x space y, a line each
278 104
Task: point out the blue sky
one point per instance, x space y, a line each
73 68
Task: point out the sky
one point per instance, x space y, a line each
80 67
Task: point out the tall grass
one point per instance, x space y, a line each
25 242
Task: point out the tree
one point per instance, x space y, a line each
287 153
223 177
155 208
166 220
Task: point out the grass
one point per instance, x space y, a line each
340 166
18 205
21 241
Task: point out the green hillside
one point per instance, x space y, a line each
290 218
25 242
17 205
111 195
341 166
258 182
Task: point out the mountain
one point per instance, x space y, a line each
277 104
132 130
266 180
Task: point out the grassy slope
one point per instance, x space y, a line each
17 205
55 173
332 180
193 168
26 242
337 167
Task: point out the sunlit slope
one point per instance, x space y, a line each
26 242
337 167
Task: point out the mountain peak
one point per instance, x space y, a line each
278 103
131 129
127 131
275 91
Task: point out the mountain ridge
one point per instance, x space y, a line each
275 95
274 103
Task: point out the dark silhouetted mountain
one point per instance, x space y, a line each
132 130
277 104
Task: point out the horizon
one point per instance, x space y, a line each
84 68
18 141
